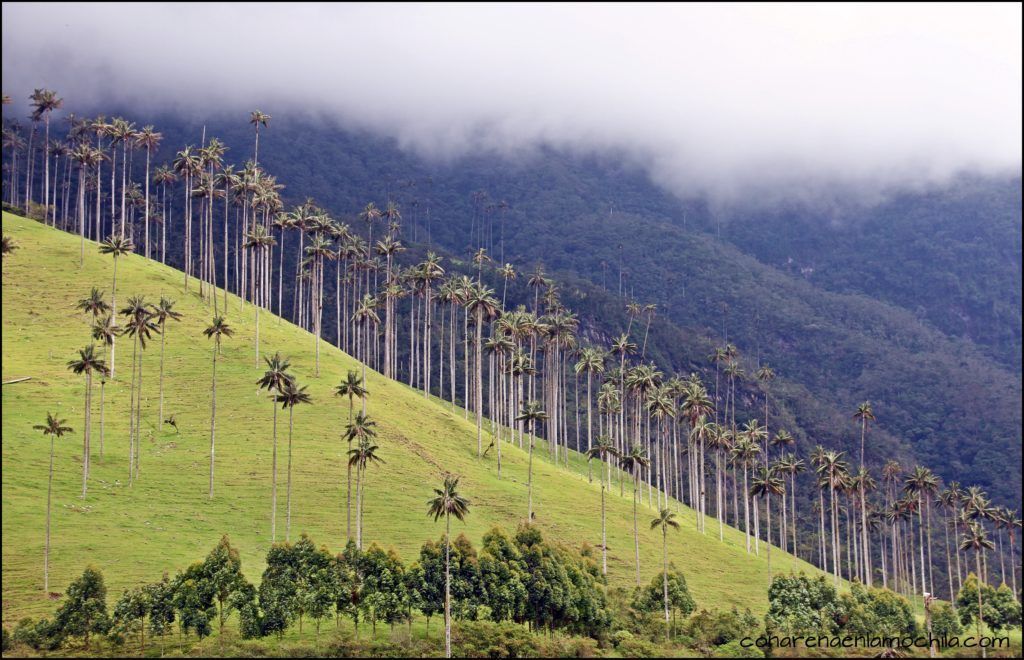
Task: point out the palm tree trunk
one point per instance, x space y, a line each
447 587
288 494
88 426
113 316
636 531
213 417
46 549
529 480
664 571
981 619
604 527
273 481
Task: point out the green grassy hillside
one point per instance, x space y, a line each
166 520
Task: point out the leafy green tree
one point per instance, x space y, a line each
84 610
130 612
193 601
161 606
502 573
315 589
801 605
680 601
383 586
349 580
55 428
222 574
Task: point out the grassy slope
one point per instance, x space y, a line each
166 521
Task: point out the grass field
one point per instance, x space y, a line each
166 521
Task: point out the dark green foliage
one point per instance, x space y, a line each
5 639
84 610
503 574
222 570
1000 610
801 605
875 612
714 628
487 639
945 622
651 598
161 603
130 613
383 586
348 569
193 601
39 635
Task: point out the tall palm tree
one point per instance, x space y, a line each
922 484
865 415
832 469
104 332
94 304
116 246
140 327
633 462
362 427
289 396
55 428
275 379
604 451
448 502
162 313
975 538
665 520
591 362
216 331
87 363
257 119
531 413
150 140
481 304
361 457
44 102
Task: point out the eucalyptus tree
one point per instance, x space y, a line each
632 462
605 451
289 396
44 102
55 428
448 502
87 363
275 380
361 457
116 246
665 520
217 330
531 413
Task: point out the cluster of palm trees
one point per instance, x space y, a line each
524 372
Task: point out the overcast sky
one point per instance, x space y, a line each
728 99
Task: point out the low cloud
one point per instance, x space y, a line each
733 101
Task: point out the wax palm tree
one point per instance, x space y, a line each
766 483
507 272
140 327
94 304
531 413
865 415
87 363
604 451
55 428
448 502
217 330
482 305
358 429
104 332
289 396
257 119
832 469
150 140
361 457
975 538
116 246
162 313
922 484
8 246
633 462
665 520
44 102
275 379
